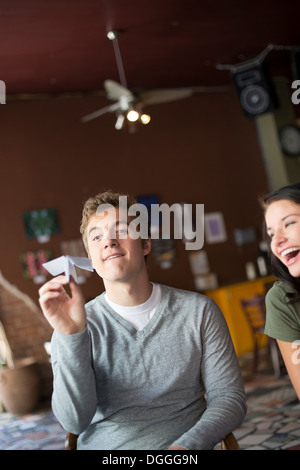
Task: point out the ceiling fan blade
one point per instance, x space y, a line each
100 112
165 96
115 91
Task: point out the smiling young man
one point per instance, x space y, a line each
142 366
118 257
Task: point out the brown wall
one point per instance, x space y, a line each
199 150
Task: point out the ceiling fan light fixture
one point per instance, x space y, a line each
111 35
132 115
145 118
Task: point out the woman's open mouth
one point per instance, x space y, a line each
290 255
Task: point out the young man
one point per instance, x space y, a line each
142 366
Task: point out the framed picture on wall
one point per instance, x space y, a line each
41 224
147 201
214 227
32 265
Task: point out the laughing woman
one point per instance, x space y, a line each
282 216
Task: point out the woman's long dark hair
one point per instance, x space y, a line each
291 193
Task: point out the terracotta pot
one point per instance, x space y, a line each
20 387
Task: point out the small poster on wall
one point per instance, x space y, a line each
147 201
214 226
32 268
41 224
203 278
163 252
199 262
205 282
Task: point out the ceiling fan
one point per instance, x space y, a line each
129 105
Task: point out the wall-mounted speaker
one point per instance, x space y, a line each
256 92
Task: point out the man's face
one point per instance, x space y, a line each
115 256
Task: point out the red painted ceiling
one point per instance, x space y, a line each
57 46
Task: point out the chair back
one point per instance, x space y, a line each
255 311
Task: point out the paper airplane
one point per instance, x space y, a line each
66 264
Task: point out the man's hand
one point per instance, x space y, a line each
64 313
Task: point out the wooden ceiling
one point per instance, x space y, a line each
60 46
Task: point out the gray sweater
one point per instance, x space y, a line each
177 381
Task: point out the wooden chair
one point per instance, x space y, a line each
71 441
255 313
228 443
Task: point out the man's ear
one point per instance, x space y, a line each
147 246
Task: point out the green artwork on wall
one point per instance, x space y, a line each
41 224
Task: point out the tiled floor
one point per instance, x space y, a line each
272 421
273 418
37 431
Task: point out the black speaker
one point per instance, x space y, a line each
255 89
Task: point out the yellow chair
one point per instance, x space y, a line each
228 443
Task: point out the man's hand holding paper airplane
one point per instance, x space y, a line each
65 313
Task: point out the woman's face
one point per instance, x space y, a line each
283 227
